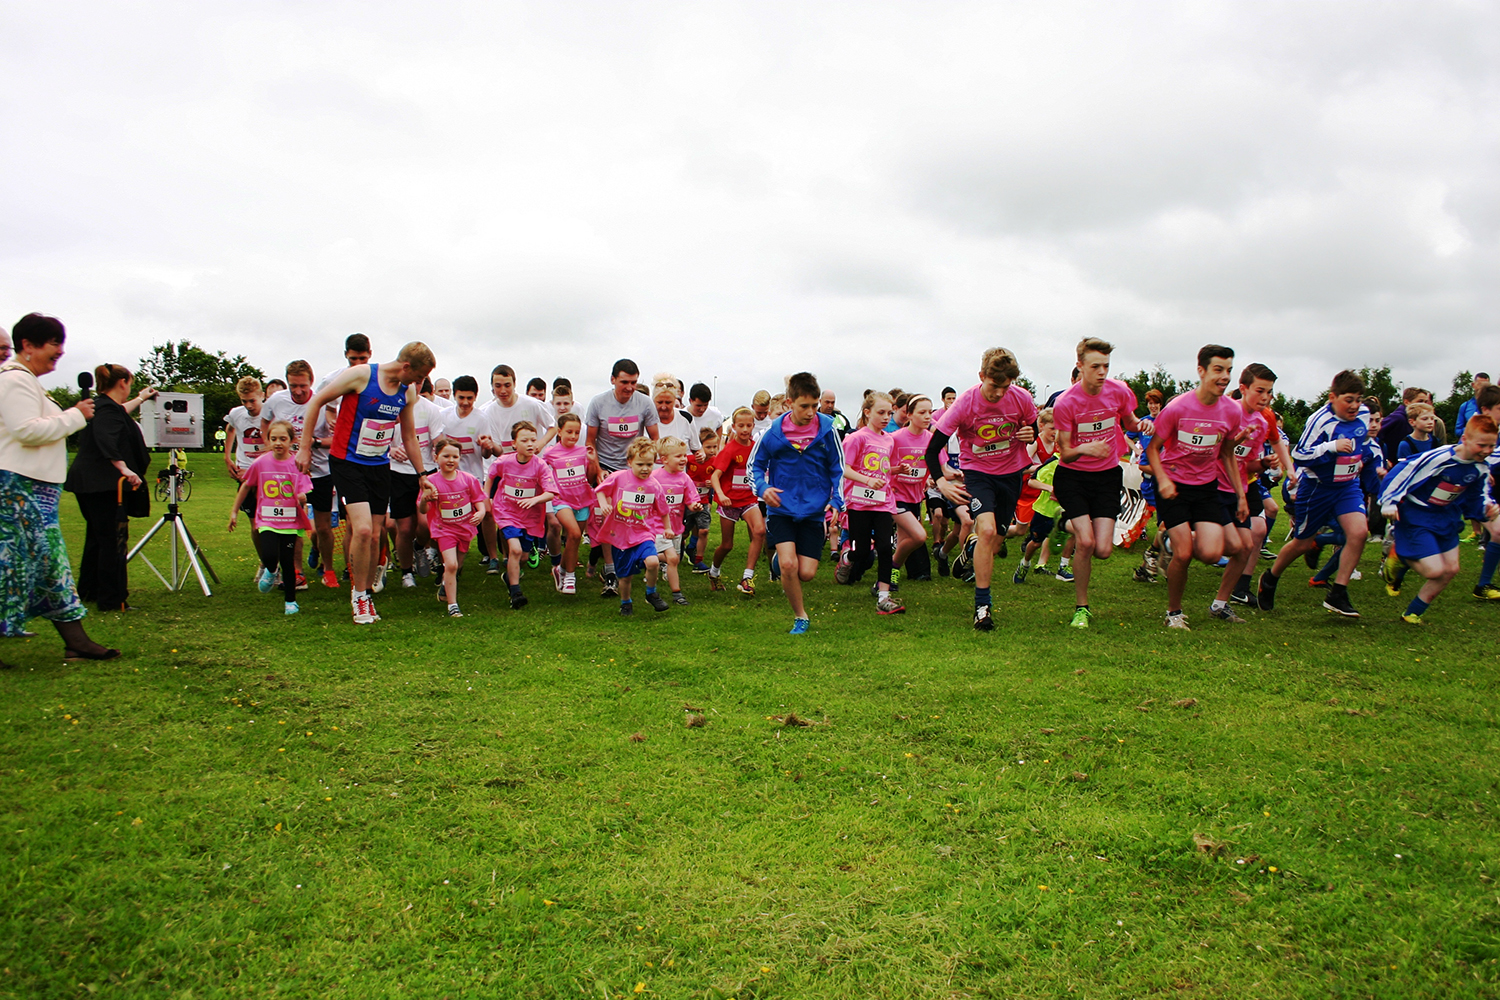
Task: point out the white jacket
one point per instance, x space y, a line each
33 429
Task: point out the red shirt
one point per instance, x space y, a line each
700 472
734 478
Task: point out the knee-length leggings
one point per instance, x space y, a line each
866 526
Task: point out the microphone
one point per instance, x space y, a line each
85 383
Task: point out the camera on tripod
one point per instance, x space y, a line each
173 420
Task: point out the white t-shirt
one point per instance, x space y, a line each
711 418
502 418
681 428
467 432
281 406
437 400
248 444
761 426
426 417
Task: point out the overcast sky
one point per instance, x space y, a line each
873 192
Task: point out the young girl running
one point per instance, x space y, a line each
453 518
280 511
681 495
869 500
631 499
575 468
731 483
525 484
910 483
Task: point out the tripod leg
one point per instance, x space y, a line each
197 551
142 544
192 558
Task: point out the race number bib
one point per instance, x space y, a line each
274 513
673 498
456 513
1345 469
465 445
868 494
1202 439
1094 428
740 480
993 448
1443 494
1242 451
705 492
638 499
623 427
519 492
570 472
375 437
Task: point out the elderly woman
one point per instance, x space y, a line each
35 578
110 449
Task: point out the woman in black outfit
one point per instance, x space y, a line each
109 449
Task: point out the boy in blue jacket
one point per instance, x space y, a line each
798 470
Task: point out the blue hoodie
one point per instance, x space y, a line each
809 480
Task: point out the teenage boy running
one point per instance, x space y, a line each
1192 456
994 421
1331 455
1092 417
798 471
1257 384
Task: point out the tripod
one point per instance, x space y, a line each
176 487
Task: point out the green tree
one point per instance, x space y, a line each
1447 409
1378 383
186 365
1160 379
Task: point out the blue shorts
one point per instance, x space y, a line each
1148 488
529 543
1417 538
1319 504
580 514
806 532
629 562
1041 527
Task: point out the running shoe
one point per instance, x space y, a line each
657 602
1225 614
1143 575
1081 618
363 613
775 567
747 586
1019 576
1317 584
627 609
715 582
679 599
1412 619
1179 620
518 601
492 568
421 563
534 560
895 580
1486 592
291 608
1065 574
263 581
301 581
888 605
408 580
379 580
330 579
453 611
1243 597
1265 594
982 620
941 558
557 578
569 584
799 626
611 586
1338 603
1310 557
700 567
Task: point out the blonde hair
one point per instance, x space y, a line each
248 384
1096 345
708 434
1044 416
869 404
291 432
667 389
761 398
739 411
670 445
1415 410
640 446
419 356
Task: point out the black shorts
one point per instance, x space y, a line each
1254 504
993 495
915 509
1196 503
247 506
1088 494
697 520
358 483
938 505
404 489
806 532
1041 526
321 495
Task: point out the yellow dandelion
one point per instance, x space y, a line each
548 902
908 755
1274 869
641 987
281 749
1042 887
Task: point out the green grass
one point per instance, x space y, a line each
511 804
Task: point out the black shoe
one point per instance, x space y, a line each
518 602
941 558
657 602
1265 595
611 586
1337 601
1311 558
1244 597
982 620
627 609
1004 548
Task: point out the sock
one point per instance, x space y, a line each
1063 562
453 607
1417 606
556 560
676 593
1244 583
713 571
747 574
407 569
981 596
650 591
609 566
1270 523
1085 607
1219 605
1025 562
1491 562
515 590
626 602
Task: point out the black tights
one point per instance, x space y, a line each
863 526
277 548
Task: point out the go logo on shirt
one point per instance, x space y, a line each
274 488
871 462
988 432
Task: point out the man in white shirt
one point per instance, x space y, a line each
704 415
505 409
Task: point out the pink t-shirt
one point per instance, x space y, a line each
521 481
457 498
275 485
868 452
799 437
1249 448
1191 434
987 431
570 467
632 507
678 490
910 450
1095 418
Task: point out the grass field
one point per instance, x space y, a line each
511 804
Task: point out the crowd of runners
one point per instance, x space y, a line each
421 471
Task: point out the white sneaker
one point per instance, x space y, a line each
557 578
379 581
363 611
370 608
569 584
408 580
